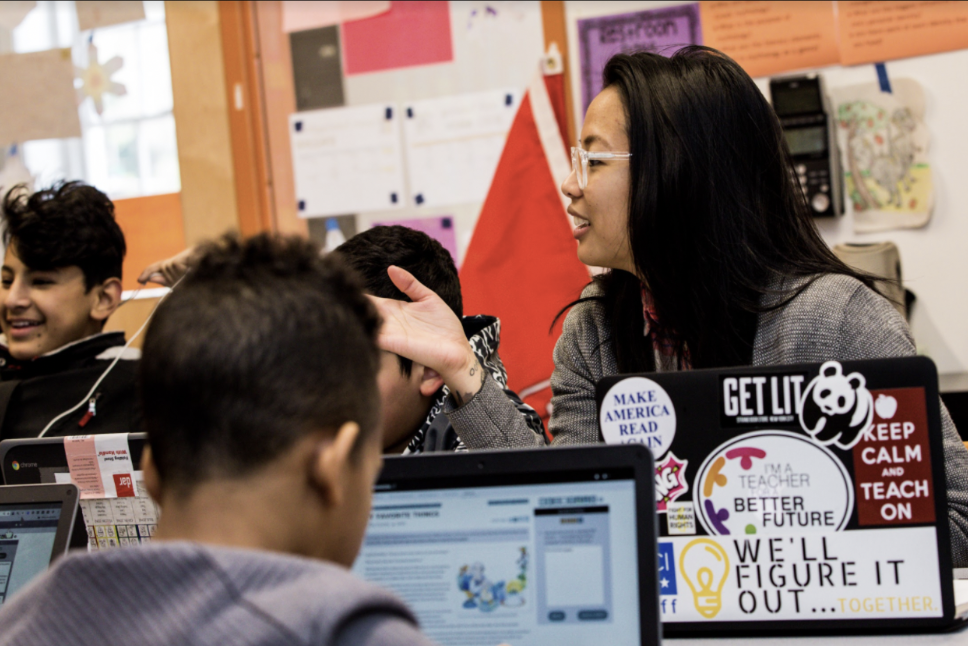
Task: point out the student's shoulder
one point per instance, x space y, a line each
308 595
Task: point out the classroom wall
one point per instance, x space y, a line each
934 258
489 54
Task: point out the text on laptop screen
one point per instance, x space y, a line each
525 564
27 533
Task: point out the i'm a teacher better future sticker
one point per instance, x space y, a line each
639 411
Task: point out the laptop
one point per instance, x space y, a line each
120 513
794 498
36 526
528 547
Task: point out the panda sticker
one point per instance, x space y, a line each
836 408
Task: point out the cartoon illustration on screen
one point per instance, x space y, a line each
836 408
884 143
486 595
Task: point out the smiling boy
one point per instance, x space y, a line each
60 281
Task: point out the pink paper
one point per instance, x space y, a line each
301 16
440 229
411 33
83 465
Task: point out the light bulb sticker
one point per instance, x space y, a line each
638 411
772 482
704 564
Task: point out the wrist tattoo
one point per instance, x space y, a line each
459 399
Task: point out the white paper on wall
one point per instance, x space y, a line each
347 160
884 143
301 15
13 171
453 145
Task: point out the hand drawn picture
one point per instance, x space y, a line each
884 143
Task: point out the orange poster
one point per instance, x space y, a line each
881 31
772 37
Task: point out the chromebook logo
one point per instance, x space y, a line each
15 465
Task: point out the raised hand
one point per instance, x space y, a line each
428 332
167 272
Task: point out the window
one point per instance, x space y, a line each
129 150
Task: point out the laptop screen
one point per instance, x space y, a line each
524 563
27 533
128 519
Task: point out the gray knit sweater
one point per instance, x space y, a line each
186 593
836 317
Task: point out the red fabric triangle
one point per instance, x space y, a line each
522 264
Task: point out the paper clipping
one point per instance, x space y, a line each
347 160
454 144
38 99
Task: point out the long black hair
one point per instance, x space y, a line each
716 215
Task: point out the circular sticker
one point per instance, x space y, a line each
772 482
638 411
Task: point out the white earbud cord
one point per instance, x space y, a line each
87 397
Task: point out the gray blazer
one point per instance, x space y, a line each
836 317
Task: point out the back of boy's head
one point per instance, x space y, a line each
262 343
69 224
371 253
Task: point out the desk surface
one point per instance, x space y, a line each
956 638
959 638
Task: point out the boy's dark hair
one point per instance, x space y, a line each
68 224
372 251
262 343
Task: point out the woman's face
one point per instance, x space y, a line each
600 211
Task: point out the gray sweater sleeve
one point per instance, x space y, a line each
491 420
579 356
892 338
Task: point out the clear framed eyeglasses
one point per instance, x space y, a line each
579 162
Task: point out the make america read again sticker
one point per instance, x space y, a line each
772 482
639 411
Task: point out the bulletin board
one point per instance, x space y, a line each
921 41
453 58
